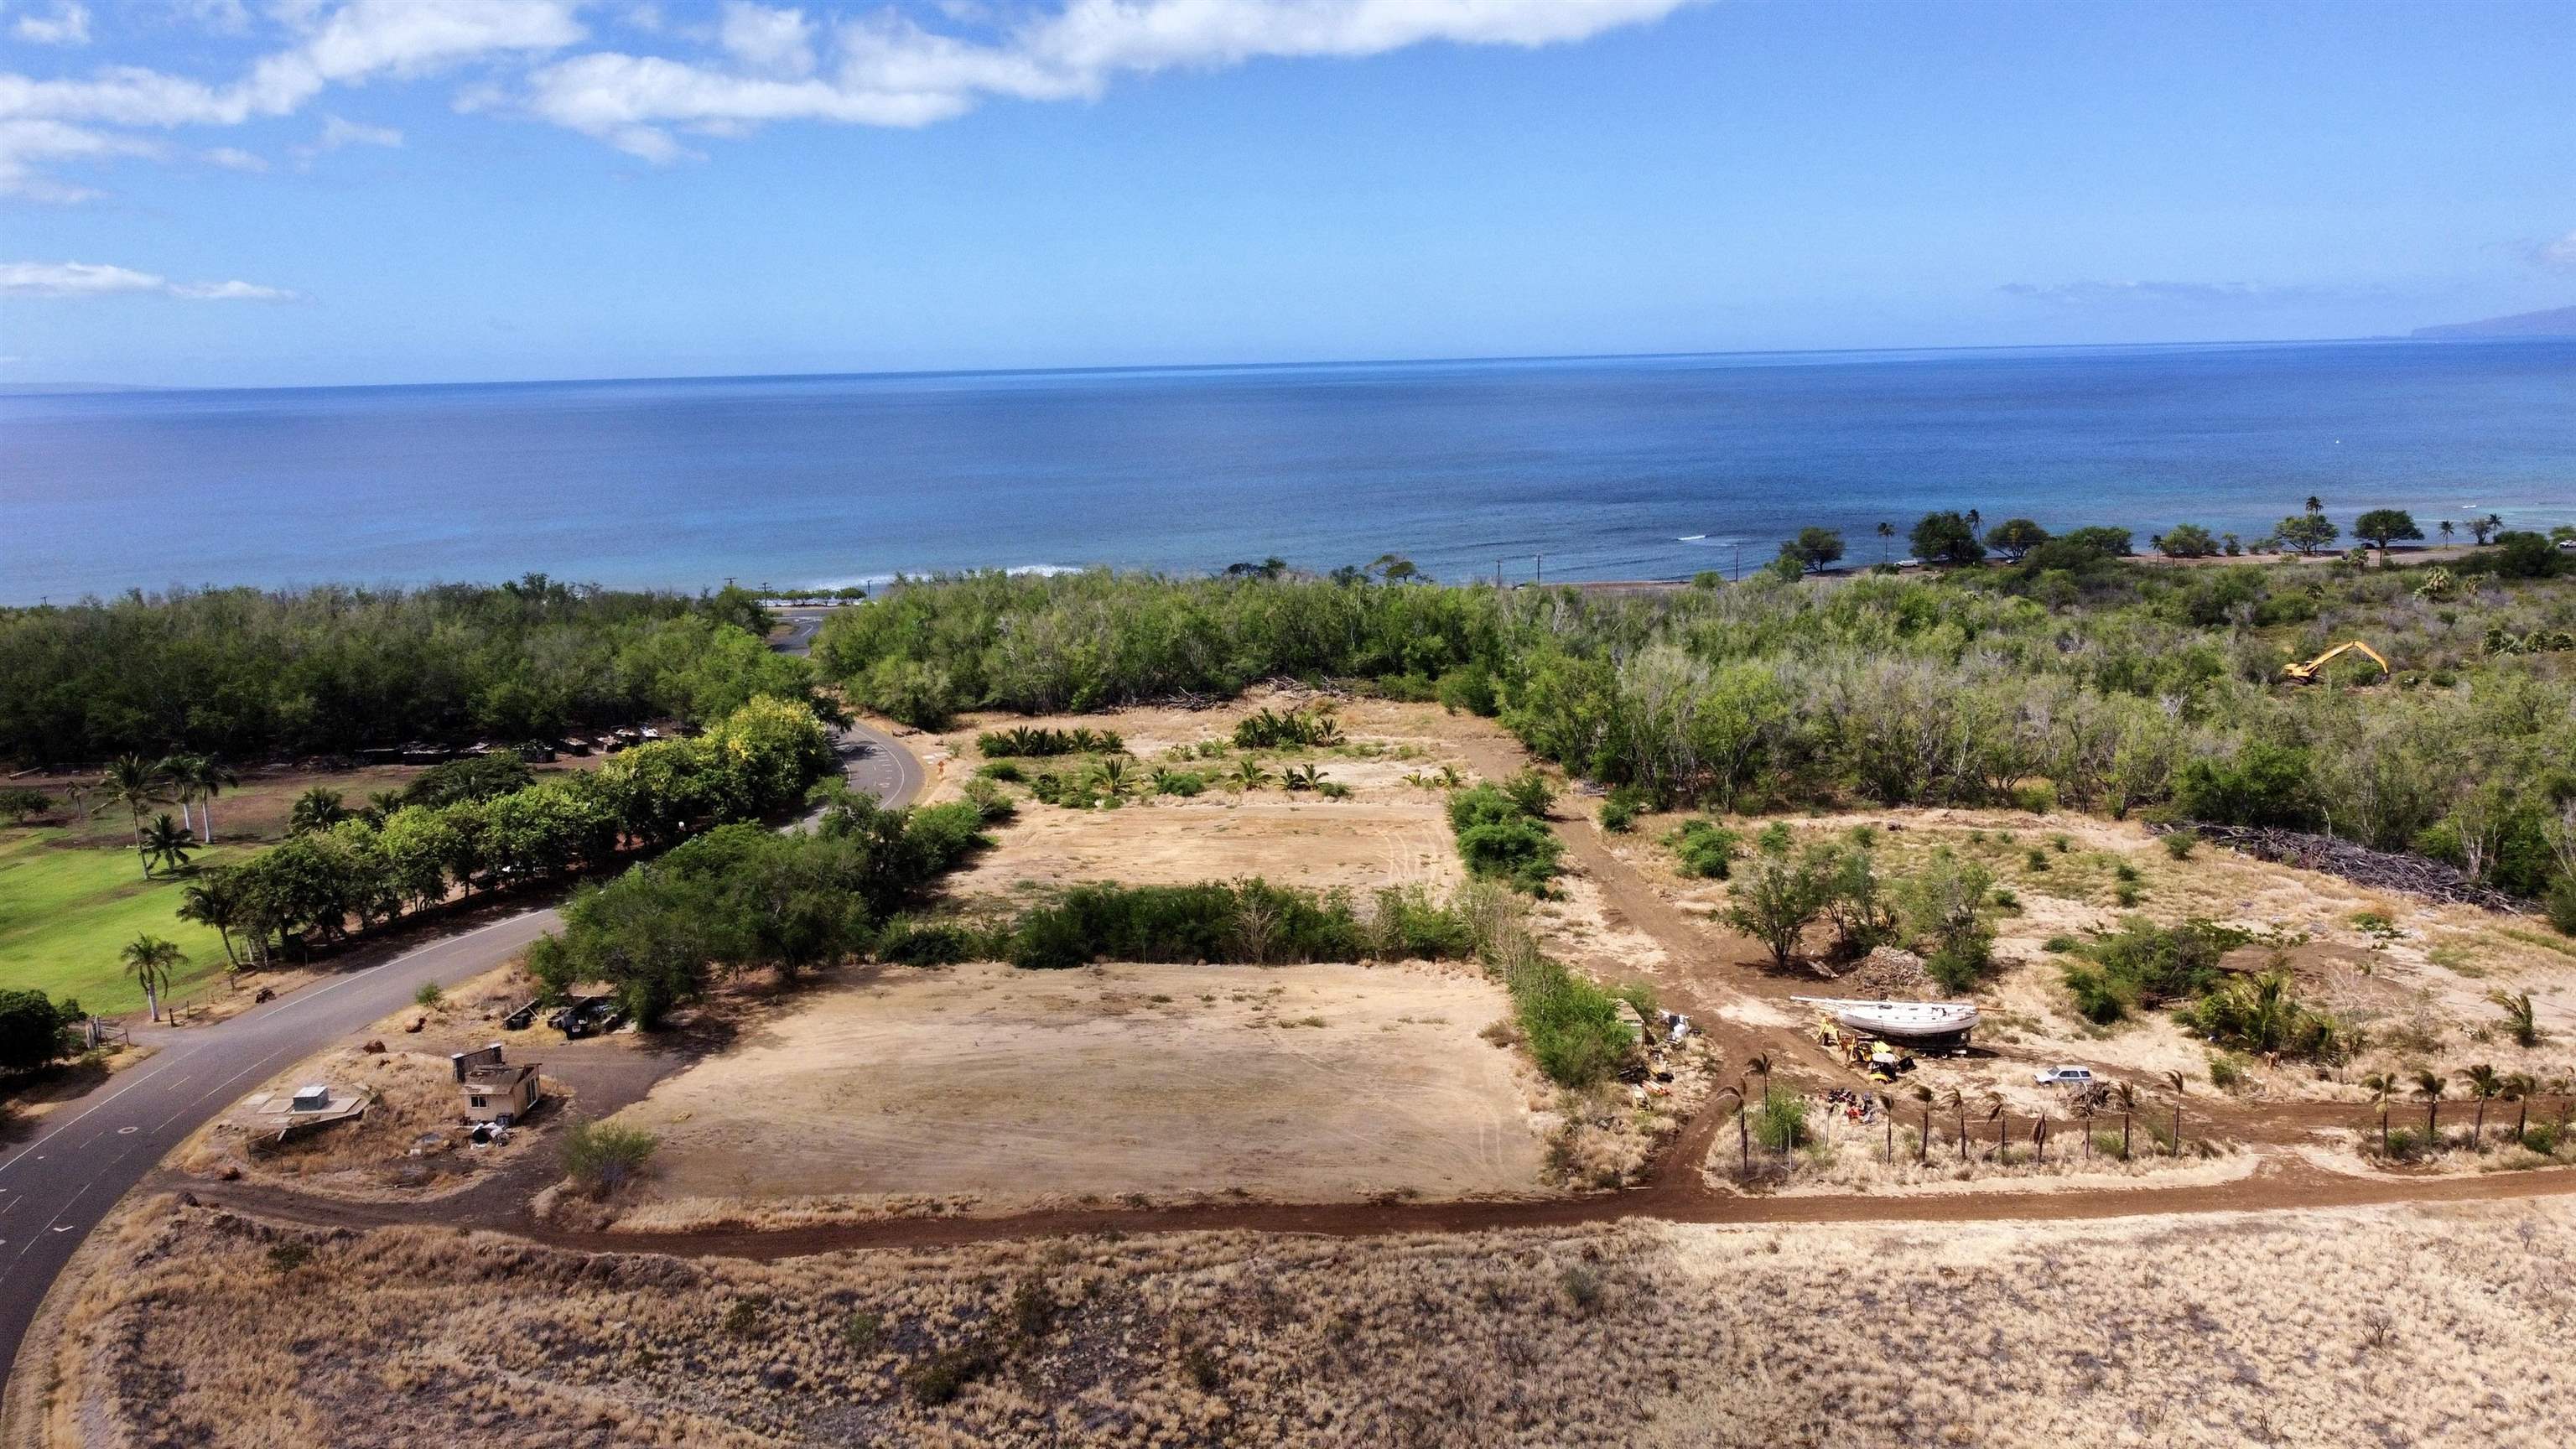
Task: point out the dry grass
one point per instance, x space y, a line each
2368 1326
907 1090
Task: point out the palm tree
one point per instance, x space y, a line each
212 777
2428 1090
137 784
2519 1017
1887 1104
380 804
1886 533
215 899
1975 520
1923 1094
2175 1081
2485 1085
1957 1102
2381 1087
2521 1087
2316 504
1743 1127
166 843
1995 1114
150 959
2448 528
2127 1097
316 809
1248 775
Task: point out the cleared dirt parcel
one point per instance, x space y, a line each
1008 1087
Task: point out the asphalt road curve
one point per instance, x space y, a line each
56 1185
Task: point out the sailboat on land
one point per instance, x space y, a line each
1920 1023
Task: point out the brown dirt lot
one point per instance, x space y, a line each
2363 1326
257 807
999 1087
1321 844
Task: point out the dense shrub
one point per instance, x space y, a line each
242 672
600 1157
742 897
1706 850
35 1030
2261 784
2146 965
1248 922
1024 741
1499 838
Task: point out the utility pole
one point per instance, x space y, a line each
1538 564
1498 576
1738 570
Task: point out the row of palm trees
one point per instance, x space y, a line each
190 782
2124 1098
2482 1083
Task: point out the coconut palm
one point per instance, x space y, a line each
2316 504
1743 1126
1301 777
2127 1097
316 809
1886 533
1450 779
200 779
2520 1088
2519 1018
2174 1080
380 804
166 843
1923 1146
137 784
150 959
2448 529
1887 1105
2428 1090
2003 1124
1248 775
2381 1088
215 899
2485 1084
1957 1102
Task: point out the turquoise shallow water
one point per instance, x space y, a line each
1611 468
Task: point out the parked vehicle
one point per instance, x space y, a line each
2063 1076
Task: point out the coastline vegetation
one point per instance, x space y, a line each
247 673
2072 677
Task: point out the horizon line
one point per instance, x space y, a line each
95 389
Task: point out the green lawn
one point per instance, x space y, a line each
65 911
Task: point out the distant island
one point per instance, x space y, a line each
2556 322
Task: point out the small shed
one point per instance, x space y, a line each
499 1092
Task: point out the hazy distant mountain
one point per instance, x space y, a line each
2557 322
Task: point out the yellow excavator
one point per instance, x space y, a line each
2306 673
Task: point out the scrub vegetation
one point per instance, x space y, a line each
2072 677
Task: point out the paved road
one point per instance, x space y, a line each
55 1187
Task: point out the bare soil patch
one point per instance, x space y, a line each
1000 1088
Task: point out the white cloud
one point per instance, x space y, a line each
344 44
337 133
233 158
771 42
893 72
759 63
97 279
66 24
27 145
2559 255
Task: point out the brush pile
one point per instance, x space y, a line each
2377 869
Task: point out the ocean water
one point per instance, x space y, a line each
1651 467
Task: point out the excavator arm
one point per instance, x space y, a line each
2302 673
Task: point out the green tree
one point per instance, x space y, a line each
2309 533
1814 548
166 843
2485 1084
1886 536
2382 526
1776 895
1946 538
137 784
319 808
2187 540
34 1031
2015 537
2482 529
150 960
215 899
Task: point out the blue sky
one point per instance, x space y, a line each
326 191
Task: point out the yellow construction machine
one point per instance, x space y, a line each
2306 673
